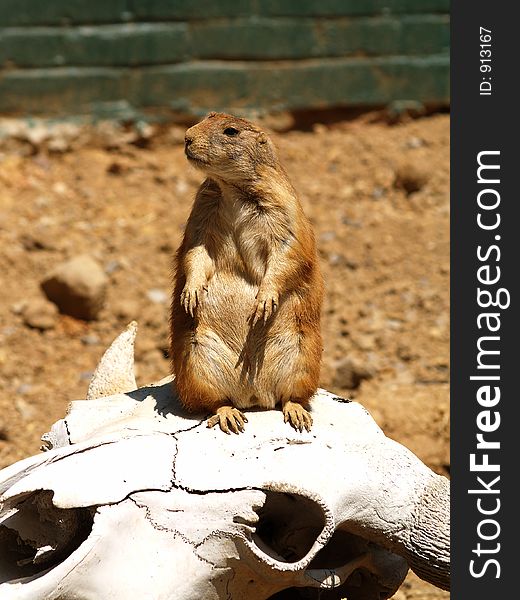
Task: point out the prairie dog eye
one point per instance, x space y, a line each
231 131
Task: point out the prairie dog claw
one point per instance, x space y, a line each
266 305
191 298
228 418
297 416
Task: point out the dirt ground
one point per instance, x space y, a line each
378 196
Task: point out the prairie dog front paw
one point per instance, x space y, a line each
192 297
266 304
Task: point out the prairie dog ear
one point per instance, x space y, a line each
261 138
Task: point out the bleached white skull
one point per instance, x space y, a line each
136 499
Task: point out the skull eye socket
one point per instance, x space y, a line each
288 525
36 536
231 131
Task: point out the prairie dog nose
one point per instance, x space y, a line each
188 140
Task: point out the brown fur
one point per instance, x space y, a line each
245 314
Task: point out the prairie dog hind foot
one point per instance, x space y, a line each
297 416
228 418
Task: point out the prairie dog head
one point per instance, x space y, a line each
229 148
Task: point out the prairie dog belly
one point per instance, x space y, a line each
251 361
230 295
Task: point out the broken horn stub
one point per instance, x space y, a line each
115 371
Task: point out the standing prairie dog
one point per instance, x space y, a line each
245 313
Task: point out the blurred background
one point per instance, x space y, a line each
95 190
123 57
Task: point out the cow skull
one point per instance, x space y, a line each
137 499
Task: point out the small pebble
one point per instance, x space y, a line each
112 266
415 142
90 339
410 178
157 296
39 314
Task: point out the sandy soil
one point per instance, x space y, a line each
378 196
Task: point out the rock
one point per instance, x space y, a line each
378 192
349 374
365 341
39 314
24 388
91 339
405 353
181 186
410 178
40 240
77 287
319 128
157 296
112 266
37 134
116 265
59 145
415 142
60 188
18 307
116 168
143 132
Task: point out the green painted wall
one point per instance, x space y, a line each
74 57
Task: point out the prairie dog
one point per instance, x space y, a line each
246 305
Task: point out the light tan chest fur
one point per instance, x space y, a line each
239 240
